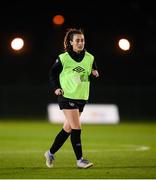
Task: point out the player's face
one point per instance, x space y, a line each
78 42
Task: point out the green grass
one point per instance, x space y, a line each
126 150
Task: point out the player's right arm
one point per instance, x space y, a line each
54 77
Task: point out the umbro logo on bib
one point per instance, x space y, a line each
78 69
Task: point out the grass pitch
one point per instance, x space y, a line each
126 150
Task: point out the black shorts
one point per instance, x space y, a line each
66 103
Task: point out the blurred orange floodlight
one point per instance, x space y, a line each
58 20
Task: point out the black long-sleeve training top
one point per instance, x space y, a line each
57 68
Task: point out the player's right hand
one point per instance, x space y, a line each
59 92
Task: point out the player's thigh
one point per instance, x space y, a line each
72 115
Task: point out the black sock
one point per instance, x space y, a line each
59 141
76 142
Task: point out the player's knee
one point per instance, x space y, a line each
67 128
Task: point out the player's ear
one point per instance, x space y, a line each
71 42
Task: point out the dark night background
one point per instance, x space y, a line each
127 79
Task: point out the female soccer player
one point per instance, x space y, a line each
70 78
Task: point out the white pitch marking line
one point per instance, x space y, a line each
121 148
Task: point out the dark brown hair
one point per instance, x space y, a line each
69 37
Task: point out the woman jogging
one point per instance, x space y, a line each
70 79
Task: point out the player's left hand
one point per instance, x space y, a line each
95 73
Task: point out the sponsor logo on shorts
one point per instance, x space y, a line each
71 104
